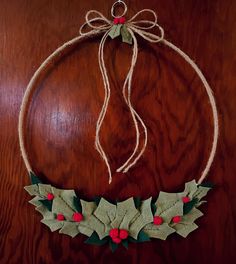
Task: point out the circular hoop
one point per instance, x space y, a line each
117 3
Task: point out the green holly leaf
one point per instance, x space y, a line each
47 204
97 200
77 204
125 243
143 218
126 36
137 202
190 205
159 231
143 237
34 179
113 246
207 184
70 229
95 240
32 189
115 31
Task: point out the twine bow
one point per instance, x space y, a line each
98 23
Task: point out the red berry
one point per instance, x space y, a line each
116 240
157 220
176 219
114 232
77 217
123 234
185 199
116 20
50 196
60 217
122 20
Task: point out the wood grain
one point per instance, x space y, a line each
61 125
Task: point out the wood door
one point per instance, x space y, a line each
61 125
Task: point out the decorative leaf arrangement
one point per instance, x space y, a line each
128 221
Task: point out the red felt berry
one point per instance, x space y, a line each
176 219
123 234
116 20
122 20
114 233
116 240
185 199
157 220
78 217
60 217
50 196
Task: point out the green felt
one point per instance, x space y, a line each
94 240
134 215
47 204
70 229
32 189
144 217
125 243
61 206
159 231
34 179
77 204
125 212
126 36
113 246
189 206
52 224
115 31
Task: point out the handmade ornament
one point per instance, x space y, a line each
132 220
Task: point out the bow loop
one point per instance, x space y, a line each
147 24
96 21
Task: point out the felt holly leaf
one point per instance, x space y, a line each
201 192
125 212
142 237
113 246
105 211
47 204
44 189
53 224
126 36
159 231
100 220
207 184
187 225
95 240
125 243
115 31
60 206
189 205
190 188
144 217
84 229
34 179
167 209
87 208
184 229
32 189
45 212
77 204
36 201
70 229
137 202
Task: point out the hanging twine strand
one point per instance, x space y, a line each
98 24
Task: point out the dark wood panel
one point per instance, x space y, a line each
62 119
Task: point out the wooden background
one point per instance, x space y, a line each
61 125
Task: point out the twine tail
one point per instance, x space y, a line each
105 104
127 165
